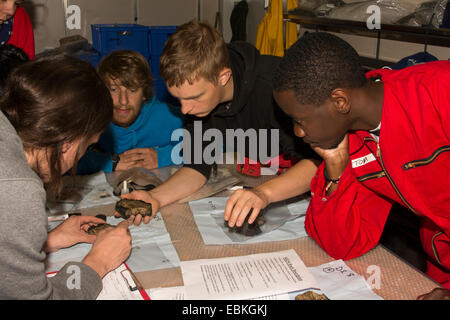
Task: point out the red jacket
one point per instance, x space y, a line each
410 165
22 33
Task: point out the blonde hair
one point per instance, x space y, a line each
196 50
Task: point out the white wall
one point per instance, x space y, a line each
48 17
166 12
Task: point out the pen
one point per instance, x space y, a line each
125 188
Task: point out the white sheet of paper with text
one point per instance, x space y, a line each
246 277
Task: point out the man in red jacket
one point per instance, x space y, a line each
16 28
384 138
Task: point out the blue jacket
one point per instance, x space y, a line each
152 129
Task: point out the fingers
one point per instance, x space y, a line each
239 205
138 219
231 203
90 220
124 224
136 151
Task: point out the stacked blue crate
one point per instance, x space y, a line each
158 36
149 41
110 37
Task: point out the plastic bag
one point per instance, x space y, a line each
391 10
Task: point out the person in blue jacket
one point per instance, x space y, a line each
141 131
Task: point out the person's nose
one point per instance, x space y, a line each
186 107
123 97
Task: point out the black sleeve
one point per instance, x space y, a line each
188 147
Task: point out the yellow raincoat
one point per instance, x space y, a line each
270 36
291 28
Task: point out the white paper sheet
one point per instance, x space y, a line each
152 248
339 282
335 279
116 286
284 221
92 191
246 277
179 293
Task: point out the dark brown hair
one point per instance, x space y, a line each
55 100
196 50
130 68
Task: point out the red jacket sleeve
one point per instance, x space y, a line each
22 34
350 221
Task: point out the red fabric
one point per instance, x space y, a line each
22 34
415 125
253 167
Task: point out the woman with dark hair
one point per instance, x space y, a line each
10 58
52 110
15 27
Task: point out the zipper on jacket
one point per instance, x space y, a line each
375 175
433 247
393 184
426 161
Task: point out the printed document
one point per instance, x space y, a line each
246 277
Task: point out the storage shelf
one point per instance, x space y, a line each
422 35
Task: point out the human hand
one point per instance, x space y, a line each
336 160
70 232
241 202
111 247
436 294
336 154
140 157
143 196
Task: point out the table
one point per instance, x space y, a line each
399 280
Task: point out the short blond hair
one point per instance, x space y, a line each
196 50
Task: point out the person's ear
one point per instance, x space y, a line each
66 146
224 76
341 101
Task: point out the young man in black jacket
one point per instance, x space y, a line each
225 92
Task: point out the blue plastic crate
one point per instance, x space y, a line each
154 66
158 36
111 37
163 94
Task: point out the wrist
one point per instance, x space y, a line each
265 194
49 245
96 265
115 161
333 171
328 178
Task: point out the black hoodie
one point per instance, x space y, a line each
252 107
